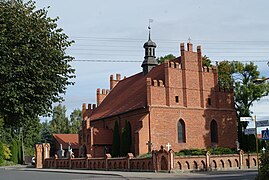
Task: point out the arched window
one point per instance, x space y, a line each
214 131
181 133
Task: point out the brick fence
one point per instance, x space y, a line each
160 160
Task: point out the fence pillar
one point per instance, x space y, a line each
208 163
241 159
129 157
55 161
108 156
88 156
39 156
171 156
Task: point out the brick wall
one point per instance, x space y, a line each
177 89
161 160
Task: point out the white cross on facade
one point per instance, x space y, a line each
168 146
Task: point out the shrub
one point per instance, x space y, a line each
1 153
198 152
195 152
14 151
264 166
147 155
221 150
6 152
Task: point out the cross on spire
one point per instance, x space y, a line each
189 40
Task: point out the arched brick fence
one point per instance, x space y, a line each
160 160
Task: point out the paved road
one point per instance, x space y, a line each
32 174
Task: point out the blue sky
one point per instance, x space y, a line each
117 30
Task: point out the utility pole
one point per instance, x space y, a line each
22 145
257 144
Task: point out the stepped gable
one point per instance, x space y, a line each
129 94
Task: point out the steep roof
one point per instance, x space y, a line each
129 94
64 139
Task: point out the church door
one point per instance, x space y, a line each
164 164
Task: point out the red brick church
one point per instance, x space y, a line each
177 105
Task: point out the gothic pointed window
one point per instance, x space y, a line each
214 131
181 133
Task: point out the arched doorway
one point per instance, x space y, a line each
83 151
164 163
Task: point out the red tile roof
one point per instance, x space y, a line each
129 94
65 138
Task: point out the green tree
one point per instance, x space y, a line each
241 77
116 141
225 72
45 132
1 153
75 121
14 151
206 61
34 68
59 123
125 140
264 166
20 154
31 135
161 59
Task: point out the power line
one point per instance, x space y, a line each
169 40
104 60
134 61
126 50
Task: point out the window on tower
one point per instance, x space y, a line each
176 99
181 131
214 131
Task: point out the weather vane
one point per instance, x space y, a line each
150 21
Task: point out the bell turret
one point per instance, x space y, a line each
150 58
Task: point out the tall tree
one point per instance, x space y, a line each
75 121
34 68
162 59
30 135
206 61
14 151
59 123
241 77
45 132
125 139
116 141
225 72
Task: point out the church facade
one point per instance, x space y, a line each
177 105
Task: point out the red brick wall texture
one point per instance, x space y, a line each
148 102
